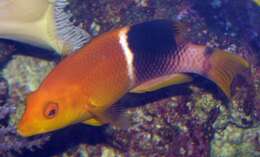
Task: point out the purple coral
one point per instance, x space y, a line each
9 140
6 50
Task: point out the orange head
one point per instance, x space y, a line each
46 111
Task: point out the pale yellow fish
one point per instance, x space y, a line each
257 2
40 23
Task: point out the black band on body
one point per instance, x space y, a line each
153 45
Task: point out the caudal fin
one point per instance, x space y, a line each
224 67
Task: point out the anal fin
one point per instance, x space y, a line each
161 82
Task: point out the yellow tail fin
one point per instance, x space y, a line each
224 67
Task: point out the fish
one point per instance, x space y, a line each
85 86
41 23
257 2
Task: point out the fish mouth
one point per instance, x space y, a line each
28 131
25 130
22 132
21 128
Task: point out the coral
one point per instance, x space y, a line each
6 50
24 74
12 143
9 140
26 71
234 141
22 77
233 19
3 91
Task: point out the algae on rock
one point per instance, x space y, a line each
234 141
24 75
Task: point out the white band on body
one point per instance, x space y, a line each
129 56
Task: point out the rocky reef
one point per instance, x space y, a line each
10 142
191 120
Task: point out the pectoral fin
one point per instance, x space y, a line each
161 82
114 115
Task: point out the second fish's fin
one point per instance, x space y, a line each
223 67
41 23
162 82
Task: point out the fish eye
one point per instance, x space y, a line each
51 110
